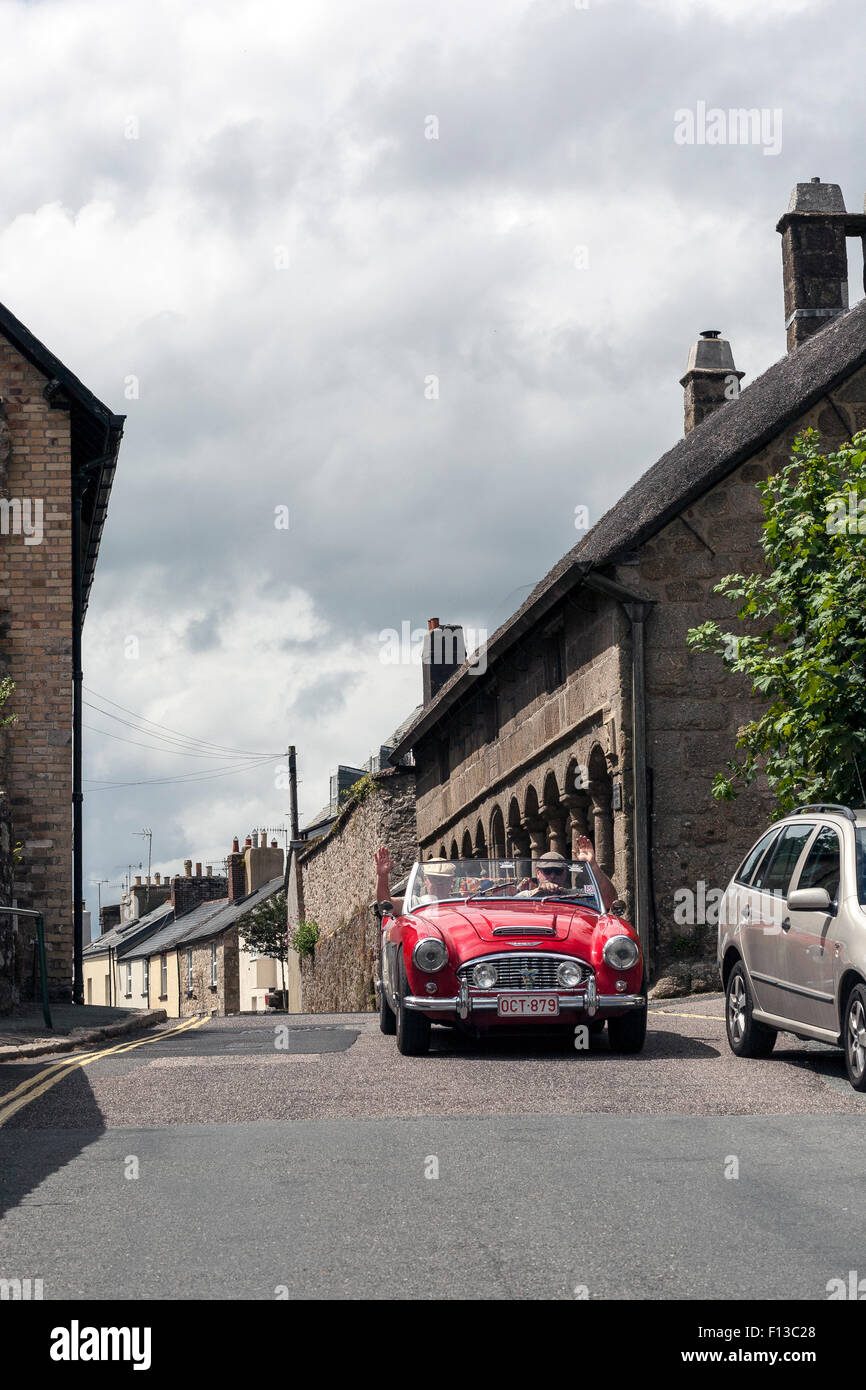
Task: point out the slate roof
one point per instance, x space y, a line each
126 933
725 439
95 434
206 920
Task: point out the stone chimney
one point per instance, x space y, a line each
444 651
814 259
237 873
263 863
189 890
109 917
711 378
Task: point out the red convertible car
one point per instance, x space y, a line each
487 943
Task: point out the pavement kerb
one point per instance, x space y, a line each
82 1037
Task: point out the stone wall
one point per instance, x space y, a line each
340 976
333 882
36 651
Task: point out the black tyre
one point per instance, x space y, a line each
854 1037
387 1021
413 1029
627 1032
746 1037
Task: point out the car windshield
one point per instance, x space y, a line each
500 880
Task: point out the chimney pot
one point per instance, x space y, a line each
187 867
138 880
235 846
198 870
157 878
208 868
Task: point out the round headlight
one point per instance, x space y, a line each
430 954
569 974
621 952
484 975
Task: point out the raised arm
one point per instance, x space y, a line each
586 854
384 869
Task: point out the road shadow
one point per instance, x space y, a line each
44 1135
518 1047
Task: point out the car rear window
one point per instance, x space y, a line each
774 874
747 868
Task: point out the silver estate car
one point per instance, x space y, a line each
792 937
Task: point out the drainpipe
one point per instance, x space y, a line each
80 483
637 615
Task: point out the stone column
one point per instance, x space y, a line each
555 818
537 831
577 805
600 801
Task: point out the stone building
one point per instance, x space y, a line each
590 714
58 454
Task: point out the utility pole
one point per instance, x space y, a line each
293 794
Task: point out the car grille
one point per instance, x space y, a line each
523 972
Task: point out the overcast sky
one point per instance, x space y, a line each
424 275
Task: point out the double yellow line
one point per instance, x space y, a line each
43 1081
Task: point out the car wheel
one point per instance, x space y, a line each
627 1032
855 1037
387 1021
413 1029
746 1037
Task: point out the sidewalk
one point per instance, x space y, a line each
23 1032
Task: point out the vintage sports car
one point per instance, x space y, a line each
480 944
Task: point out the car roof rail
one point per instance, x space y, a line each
821 806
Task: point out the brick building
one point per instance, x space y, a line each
591 714
58 454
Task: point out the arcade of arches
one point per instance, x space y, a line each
549 813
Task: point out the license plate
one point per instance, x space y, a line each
528 1006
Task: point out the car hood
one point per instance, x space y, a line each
530 924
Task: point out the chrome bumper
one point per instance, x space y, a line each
465 1004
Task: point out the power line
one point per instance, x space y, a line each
189 739
154 747
184 777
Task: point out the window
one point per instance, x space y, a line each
775 872
823 864
129 979
163 976
146 990
189 972
213 964
554 660
750 863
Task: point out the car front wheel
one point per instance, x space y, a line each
627 1032
855 1037
413 1029
746 1037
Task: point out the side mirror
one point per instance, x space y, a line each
617 908
385 908
809 900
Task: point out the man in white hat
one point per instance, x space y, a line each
438 881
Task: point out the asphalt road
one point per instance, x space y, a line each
241 1159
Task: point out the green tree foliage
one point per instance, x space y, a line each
803 640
